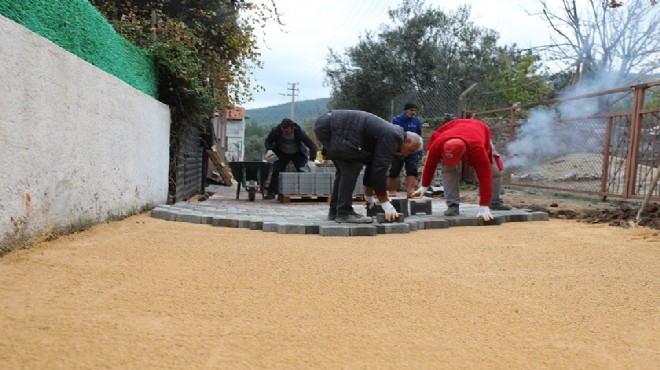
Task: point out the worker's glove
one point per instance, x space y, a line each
484 212
419 192
311 164
317 162
390 211
370 201
268 154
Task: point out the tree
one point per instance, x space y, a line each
425 55
603 38
204 50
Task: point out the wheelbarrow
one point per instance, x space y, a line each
251 175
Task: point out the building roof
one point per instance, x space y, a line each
235 113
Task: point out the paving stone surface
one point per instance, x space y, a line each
222 209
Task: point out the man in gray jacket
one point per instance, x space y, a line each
352 139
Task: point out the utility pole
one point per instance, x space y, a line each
293 90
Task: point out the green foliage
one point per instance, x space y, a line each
430 55
255 135
204 51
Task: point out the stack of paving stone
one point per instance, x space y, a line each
288 182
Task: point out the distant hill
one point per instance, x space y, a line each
304 110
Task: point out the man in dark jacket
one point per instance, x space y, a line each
286 141
352 139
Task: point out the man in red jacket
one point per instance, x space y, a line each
470 141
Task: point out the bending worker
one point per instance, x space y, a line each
470 141
352 139
286 142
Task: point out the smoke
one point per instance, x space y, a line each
565 128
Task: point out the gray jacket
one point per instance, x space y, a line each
362 136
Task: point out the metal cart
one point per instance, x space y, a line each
251 175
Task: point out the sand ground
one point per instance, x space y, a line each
144 293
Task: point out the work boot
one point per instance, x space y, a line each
354 218
332 216
500 207
452 211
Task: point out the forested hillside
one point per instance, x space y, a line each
304 110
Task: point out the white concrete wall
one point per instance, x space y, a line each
76 144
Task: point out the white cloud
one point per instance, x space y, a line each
312 27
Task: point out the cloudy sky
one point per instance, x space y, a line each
297 52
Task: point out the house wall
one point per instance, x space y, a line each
76 144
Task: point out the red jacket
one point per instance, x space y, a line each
477 137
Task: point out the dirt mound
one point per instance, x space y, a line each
622 215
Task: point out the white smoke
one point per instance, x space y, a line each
550 132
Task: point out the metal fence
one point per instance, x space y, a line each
605 143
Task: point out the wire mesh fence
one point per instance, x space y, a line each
605 143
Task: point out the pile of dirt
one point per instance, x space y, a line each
622 215
582 208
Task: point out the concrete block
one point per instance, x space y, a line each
436 224
189 217
397 228
224 221
270 227
412 225
288 183
256 225
163 214
401 205
520 217
311 229
244 223
291 229
334 230
497 220
323 182
380 218
540 216
374 211
363 230
206 219
466 221
421 206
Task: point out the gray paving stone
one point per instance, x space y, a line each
163 214
375 210
311 229
244 223
188 217
397 228
539 216
334 230
270 227
497 220
380 218
421 206
401 205
363 230
436 224
256 225
291 229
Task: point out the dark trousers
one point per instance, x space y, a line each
346 172
346 175
411 161
299 161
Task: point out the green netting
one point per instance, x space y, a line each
75 25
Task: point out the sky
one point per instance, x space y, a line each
297 52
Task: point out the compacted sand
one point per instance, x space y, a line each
144 293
